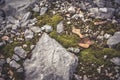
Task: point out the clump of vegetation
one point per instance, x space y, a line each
48 19
8 50
65 39
94 58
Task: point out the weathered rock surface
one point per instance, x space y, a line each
114 40
50 61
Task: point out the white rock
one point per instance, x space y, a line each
60 27
36 29
50 61
28 34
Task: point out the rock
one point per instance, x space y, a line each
99 3
103 13
20 52
71 9
47 28
11 19
107 36
14 64
1 44
2 62
5 38
60 27
74 50
50 61
43 10
77 16
28 34
15 57
36 29
26 16
14 27
114 40
20 70
18 7
8 60
77 77
116 61
2 2
36 8
85 77
2 14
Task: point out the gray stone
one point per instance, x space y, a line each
20 70
74 50
8 60
1 44
28 34
15 57
2 62
107 36
116 61
99 3
43 10
16 7
50 61
26 16
14 27
14 64
36 29
104 13
60 27
114 40
47 28
36 8
71 9
20 52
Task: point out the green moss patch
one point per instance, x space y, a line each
65 40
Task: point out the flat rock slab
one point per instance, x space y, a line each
50 61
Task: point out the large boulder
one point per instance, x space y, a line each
50 61
14 7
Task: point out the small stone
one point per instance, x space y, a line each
60 27
20 52
36 8
71 9
26 16
116 61
14 64
107 36
43 10
25 46
2 62
15 57
20 70
14 27
8 60
36 29
5 38
74 50
32 46
1 44
48 28
28 34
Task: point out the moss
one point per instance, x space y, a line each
65 40
8 50
90 59
56 19
48 19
